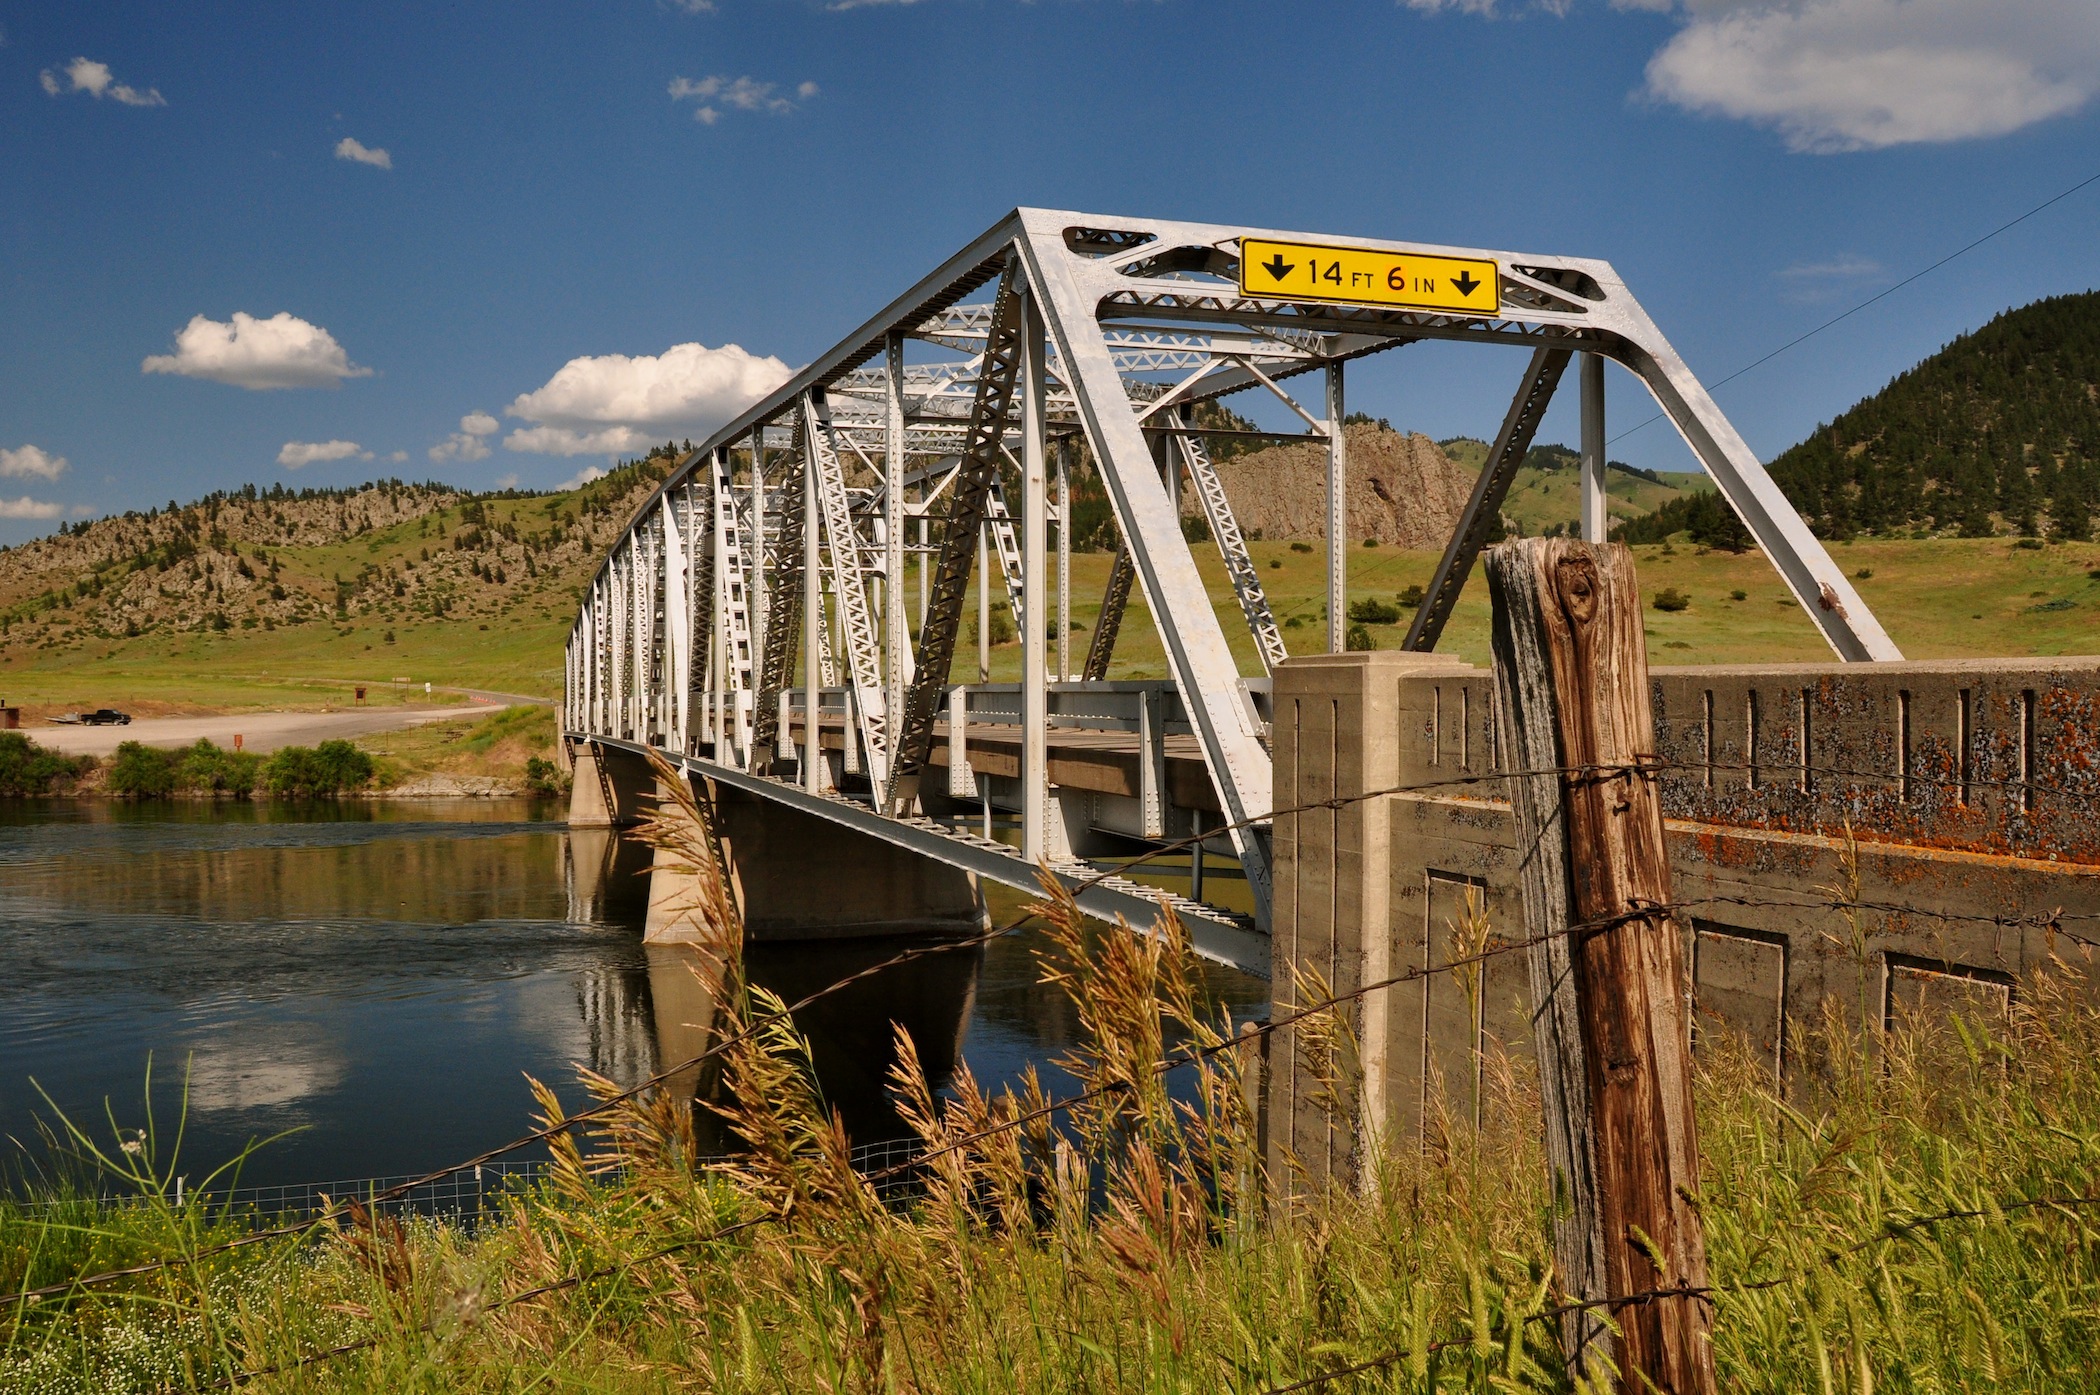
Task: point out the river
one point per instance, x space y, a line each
367 985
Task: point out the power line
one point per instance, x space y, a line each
1914 276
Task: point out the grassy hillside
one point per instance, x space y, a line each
1998 432
270 598
1546 494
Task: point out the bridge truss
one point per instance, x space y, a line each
762 604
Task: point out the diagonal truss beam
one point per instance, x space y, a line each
1205 673
1101 650
784 617
849 594
1232 546
974 473
1474 525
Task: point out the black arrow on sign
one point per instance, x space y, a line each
1277 267
1465 282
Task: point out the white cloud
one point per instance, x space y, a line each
95 79
31 462
736 94
466 443
398 456
1844 265
1468 7
580 479
26 507
615 404
694 7
351 149
508 481
297 455
280 352
1836 75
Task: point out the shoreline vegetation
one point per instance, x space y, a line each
499 755
1910 1211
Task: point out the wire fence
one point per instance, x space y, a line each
464 1198
895 1170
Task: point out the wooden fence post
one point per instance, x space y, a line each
1571 680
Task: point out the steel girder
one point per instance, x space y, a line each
1232 546
848 577
1143 318
1484 507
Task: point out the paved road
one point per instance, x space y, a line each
261 732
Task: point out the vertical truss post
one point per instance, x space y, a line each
761 598
984 603
1205 673
1596 523
812 618
1035 691
925 564
1152 765
678 625
1526 410
896 637
1337 515
1064 559
962 784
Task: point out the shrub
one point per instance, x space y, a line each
1275 564
1358 639
27 768
213 769
1002 631
333 767
1410 596
1863 574
143 772
543 777
1301 547
1372 611
1195 528
1670 598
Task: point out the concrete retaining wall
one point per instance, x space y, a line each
1969 790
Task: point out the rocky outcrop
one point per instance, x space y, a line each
1403 490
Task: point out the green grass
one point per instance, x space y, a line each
1014 1274
1941 598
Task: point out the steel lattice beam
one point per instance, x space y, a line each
1526 409
966 505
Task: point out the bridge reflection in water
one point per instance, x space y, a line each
642 1019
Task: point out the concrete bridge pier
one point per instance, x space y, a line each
796 876
607 786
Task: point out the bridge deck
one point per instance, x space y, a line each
1103 762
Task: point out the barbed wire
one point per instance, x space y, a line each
1645 766
1682 1292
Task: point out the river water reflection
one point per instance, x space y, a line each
380 978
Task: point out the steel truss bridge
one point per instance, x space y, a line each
783 615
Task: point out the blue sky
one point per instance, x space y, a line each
564 181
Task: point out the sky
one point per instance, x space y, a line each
504 242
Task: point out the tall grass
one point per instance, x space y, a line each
1134 1242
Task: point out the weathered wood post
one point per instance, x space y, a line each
1607 979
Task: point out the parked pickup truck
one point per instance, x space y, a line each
100 717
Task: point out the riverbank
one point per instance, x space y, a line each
1917 1217
415 754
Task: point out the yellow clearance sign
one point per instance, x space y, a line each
1299 271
